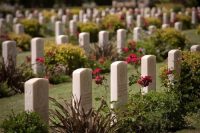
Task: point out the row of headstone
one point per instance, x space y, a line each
36 99
85 16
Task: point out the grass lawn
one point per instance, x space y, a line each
63 91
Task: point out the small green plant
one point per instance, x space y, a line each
187 85
152 21
71 117
154 112
31 27
163 41
14 77
22 40
186 20
25 122
91 28
69 56
112 23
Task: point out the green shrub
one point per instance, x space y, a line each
112 23
4 89
48 14
193 119
154 112
91 28
14 77
22 40
186 20
187 85
163 41
153 21
24 122
31 27
67 55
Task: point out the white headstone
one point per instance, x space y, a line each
15 20
137 33
73 28
41 19
178 26
37 51
148 68
58 28
2 25
9 18
119 87
152 29
194 17
75 18
195 48
19 29
103 39
129 21
82 87
53 19
81 12
62 39
165 18
84 39
139 21
65 19
174 61
121 39
9 52
37 97
164 26
172 17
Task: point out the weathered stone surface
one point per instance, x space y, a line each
9 52
82 87
121 39
148 68
36 97
119 90
37 51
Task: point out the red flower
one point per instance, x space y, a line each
132 58
168 71
140 50
40 59
99 79
97 71
144 81
125 50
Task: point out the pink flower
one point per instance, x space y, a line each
99 79
132 58
125 50
144 81
168 71
140 50
40 60
97 71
